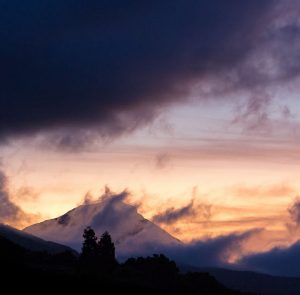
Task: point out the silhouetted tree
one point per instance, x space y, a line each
89 247
157 268
89 255
106 250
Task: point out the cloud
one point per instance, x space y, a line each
113 208
11 213
275 190
294 211
162 160
87 199
253 114
191 210
278 261
293 225
286 113
69 140
8 210
112 66
172 215
228 251
109 198
26 193
217 252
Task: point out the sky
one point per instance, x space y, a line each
191 106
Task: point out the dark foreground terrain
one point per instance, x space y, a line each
39 272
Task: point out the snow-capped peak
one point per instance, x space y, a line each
131 232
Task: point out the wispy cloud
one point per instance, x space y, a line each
293 225
162 160
10 212
189 211
26 193
172 214
294 211
253 114
261 191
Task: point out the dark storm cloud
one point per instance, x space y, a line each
278 261
112 65
70 140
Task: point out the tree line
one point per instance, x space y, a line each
97 268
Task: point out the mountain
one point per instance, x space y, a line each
252 282
31 242
258 283
131 232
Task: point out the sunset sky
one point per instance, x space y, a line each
191 106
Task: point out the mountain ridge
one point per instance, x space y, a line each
250 281
31 242
131 232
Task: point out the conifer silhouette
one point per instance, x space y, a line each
89 247
106 250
